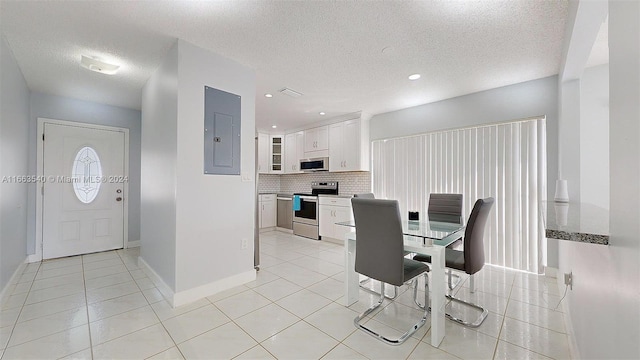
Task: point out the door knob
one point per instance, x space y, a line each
118 198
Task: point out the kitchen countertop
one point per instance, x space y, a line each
337 196
578 222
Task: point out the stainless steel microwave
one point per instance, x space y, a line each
316 164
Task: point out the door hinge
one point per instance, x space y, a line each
42 136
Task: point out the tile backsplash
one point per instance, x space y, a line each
349 183
268 183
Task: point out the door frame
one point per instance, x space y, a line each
40 173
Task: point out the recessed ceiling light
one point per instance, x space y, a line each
268 95
98 65
414 77
274 126
322 113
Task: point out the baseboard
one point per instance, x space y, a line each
284 230
34 258
165 289
133 243
332 240
197 293
176 299
551 272
5 293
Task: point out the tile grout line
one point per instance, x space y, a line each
15 323
504 316
86 305
154 312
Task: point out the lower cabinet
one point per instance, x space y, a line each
267 211
332 211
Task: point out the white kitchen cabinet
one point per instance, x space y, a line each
263 153
332 211
267 211
277 154
316 142
293 152
349 146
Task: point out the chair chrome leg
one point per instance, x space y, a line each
383 338
450 277
364 281
474 324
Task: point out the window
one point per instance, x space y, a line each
506 161
86 174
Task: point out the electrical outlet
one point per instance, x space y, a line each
568 279
245 243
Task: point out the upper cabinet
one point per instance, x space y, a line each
277 154
345 142
316 142
293 152
270 154
349 146
263 153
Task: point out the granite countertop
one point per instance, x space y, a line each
576 222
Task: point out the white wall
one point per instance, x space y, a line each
63 108
214 212
594 136
604 305
14 150
194 225
569 139
158 169
528 99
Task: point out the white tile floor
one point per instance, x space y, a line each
102 306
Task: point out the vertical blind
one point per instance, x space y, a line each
505 161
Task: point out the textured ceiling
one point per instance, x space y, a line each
344 56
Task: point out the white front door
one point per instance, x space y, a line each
83 202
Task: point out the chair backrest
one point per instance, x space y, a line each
365 196
445 208
473 236
379 240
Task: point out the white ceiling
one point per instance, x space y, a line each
344 56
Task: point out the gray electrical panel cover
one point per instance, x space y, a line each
221 132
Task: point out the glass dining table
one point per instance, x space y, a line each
421 237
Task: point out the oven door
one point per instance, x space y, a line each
308 213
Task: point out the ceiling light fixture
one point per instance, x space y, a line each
96 65
414 77
268 95
274 126
322 112
289 92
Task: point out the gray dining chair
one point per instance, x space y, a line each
445 208
366 280
380 256
471 260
